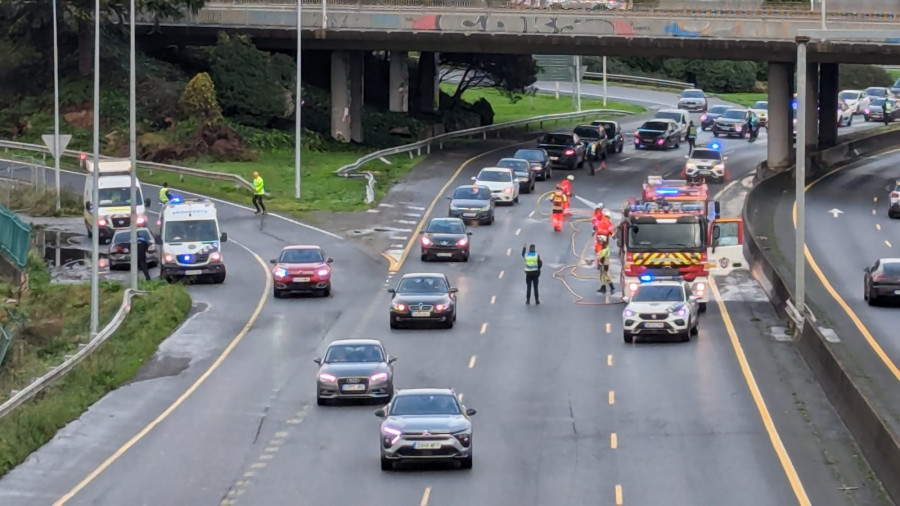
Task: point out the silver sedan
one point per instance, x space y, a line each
355 369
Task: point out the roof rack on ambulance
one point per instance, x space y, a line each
109 166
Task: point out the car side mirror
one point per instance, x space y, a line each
724 158
391 360
626 299
273 261
866 270
717 232
468 233
471 412
380 413
454 290
449 197
391 290
317 360
687 157
693 298
329 260
147 202
474 178
224 237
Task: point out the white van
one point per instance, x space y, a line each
114 190
190 239
679 116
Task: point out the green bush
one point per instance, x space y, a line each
714 75
199 100
860 77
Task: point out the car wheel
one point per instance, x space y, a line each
516 200
695 329
321 402
465 257
277 293
531 188
449 323
702 307
466 463
866 117
627 337
218 278
622 147
871 299
454 315
386 465
715 133
865 293
850 123
326 292
491 222
424 257
685 336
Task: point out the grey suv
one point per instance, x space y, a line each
355 369
425 424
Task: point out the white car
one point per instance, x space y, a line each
661 308
844 115
894 209
856 100
502 183
705 163
761 109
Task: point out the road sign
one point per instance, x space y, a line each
556 68
51 145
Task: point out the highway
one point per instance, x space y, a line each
568 414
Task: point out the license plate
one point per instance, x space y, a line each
427 445
445 254
654 325
469 215
193 272
704 172
353 388
554 158
421 314
896 292
301 280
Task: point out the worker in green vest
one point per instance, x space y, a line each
259 189
691 137
887 111
164 195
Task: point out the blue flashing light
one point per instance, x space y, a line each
667 191
646 278
715 146
176 199
185 259
794 104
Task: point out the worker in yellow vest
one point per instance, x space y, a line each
259 189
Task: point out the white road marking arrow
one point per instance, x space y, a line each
835 212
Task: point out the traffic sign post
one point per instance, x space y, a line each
57 146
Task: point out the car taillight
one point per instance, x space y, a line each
141 220
462 242
878 277
215 256
636 135
699 289
895 195
101 222
867 110
426 241
569 152
704 117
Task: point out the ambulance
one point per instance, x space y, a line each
114 189
191 241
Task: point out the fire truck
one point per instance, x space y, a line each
675 190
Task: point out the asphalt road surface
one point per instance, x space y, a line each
568 414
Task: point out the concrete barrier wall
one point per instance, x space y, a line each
879 444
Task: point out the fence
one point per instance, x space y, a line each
662 83
15 237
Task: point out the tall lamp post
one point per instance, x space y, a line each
95 176
298 100
132 145
56 153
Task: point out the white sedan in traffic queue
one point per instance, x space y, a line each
661 308
502 183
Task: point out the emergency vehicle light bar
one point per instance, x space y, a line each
648 277
674 207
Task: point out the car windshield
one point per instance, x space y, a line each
656 126
891 268
762 105
558 139
472 193
706 154
301 256
418 284
735 114
849 95
118 197
609 126
659 293
353 353
587 132
896 83
877 101
533 155
191 231
876 92
441 404
495 176
445 226
693 94
669 115
718 109
124 237
516 165
672 236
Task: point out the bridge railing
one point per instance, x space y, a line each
15 237
621 78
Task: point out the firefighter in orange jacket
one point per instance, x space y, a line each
566 186
601 220
559 201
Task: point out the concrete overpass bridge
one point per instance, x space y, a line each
736 30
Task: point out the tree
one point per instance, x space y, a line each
199 100
510 73
860 77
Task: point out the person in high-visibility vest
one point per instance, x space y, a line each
603 264
566 185
559 201
533 265
886 109
259 189
691 137
164 195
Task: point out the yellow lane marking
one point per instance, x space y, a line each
425 496
395 265
501 275
493 299
612 397
888 244
508 251
878 226
483 328
187 393
518 231
613 441
608 328
472 362
414 236
774 438
873 343
619 495
609 360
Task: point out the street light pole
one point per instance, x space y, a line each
824 9
298 100
132 145
800 181
604 81
95 176
56 153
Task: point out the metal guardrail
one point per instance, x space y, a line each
59 371
346 170
15 237
621 78
151 166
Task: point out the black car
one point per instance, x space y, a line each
614 135
693 100
707 120
423 298
445 238
658 134
882 281
875 111
596 135
735 122
521 168
540 162
565 149
472 203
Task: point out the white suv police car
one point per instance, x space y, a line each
662 308
705 164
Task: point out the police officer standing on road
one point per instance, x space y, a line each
259 190
691 137
142 256
533 265
886 109
164 195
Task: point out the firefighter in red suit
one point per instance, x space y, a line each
602 224
566 186
559 201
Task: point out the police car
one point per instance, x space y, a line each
705 164
665 307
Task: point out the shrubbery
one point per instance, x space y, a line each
860 77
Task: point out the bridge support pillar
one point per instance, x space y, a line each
340 95
428 81
398 98
780 123
828 101
357 94
812 106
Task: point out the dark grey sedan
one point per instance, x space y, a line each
120 245
355 369
423 298
525 175
540 162
472 203
882 281
445 238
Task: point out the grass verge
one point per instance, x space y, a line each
536 105
894 73
746 99
152 318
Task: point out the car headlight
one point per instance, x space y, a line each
169 259
690 166
391 435
378 376
720 166
440 308
628 313
280 272
327 378
680 311
464 437
462 242
401 307
215 256
323 273
508 189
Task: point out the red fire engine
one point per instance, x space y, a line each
657 189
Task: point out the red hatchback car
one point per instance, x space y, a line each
302 269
